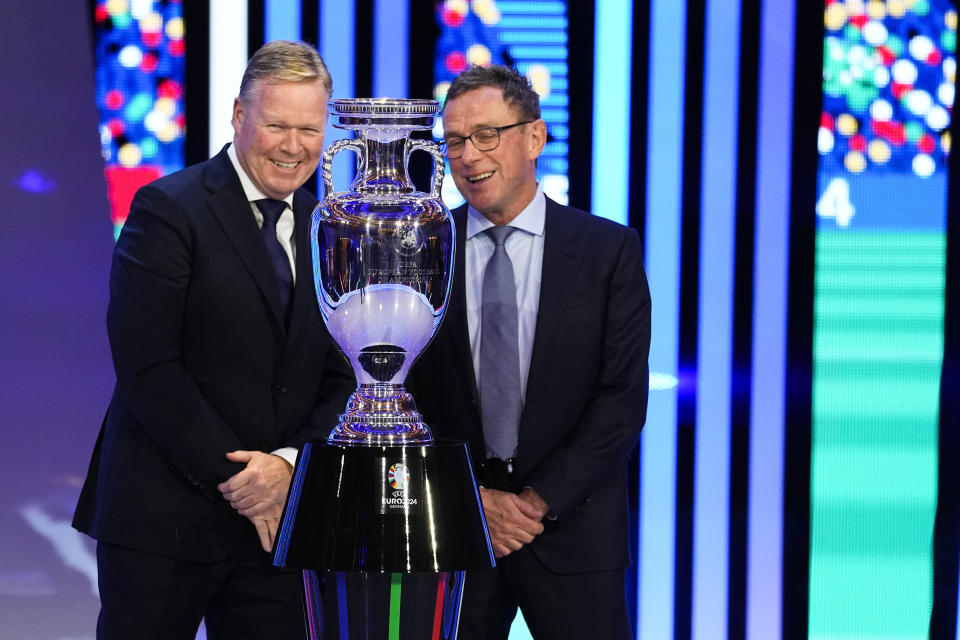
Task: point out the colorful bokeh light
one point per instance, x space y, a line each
888 77
530 35
139 77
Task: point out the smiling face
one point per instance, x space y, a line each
499 183
278 134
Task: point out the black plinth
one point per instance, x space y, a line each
384 509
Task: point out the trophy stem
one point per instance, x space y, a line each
386 170
381 414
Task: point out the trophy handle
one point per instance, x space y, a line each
326 166
439 168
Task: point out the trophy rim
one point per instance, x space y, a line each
397 107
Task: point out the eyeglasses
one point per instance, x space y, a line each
486 139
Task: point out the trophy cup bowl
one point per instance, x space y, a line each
393 512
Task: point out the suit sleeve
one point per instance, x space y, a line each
149 280
612 420
338 383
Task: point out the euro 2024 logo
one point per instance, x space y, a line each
400 498
399 476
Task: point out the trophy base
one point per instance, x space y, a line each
381 415
384 510
394 528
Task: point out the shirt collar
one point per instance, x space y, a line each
250 190
531 219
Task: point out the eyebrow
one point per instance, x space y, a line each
284 123
446 134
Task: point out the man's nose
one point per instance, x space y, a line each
470 151
291 142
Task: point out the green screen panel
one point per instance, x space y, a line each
889 71
878 343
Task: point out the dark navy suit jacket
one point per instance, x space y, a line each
205 365
586 394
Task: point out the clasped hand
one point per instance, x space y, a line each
259 491
512 520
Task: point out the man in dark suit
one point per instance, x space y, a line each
224 368
541 365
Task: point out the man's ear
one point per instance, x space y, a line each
538 138
238 114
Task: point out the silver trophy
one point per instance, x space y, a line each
383 259
393 515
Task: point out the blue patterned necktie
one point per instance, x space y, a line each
499 351
272 210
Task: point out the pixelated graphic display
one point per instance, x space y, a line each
139 81
529 35
888 93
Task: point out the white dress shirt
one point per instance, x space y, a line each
525 249
284 236
284 224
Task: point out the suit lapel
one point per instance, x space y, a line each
231 209
304 298
561 259
456 319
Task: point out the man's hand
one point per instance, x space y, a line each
259 491
511 521
533 498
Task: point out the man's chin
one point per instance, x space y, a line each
285 185
471 193
477 200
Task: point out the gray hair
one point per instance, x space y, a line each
516 87
284 61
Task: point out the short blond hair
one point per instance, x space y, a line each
284 61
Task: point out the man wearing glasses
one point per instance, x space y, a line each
541 366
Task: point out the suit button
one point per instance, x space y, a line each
281 389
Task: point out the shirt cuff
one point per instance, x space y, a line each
287 453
